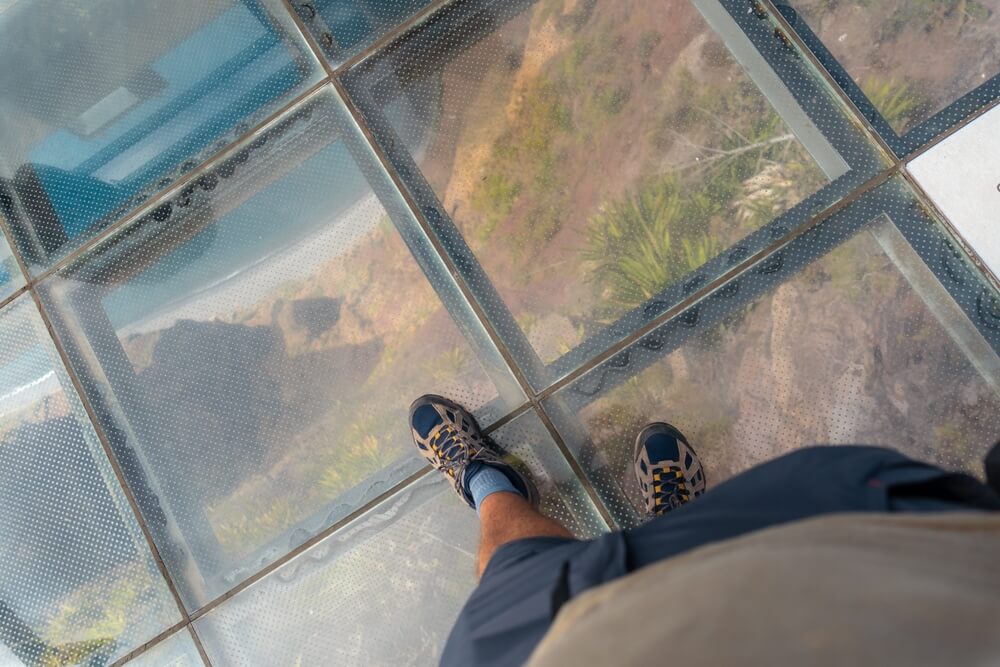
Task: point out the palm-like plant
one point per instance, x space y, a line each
640 245
898 101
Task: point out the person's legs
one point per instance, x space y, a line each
449 438
534 565
505 517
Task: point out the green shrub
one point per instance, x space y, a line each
897 100
638 246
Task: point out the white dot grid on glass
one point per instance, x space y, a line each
848 344
256 350
108 106
367 594
72 558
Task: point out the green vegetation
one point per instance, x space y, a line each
526 158
898 100
640 245
89 621
495 198
748 171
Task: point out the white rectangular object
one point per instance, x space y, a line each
962 176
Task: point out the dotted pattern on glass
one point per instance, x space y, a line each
252 353
77 582
383 590
847 335
910 59
526 443
407 565
343 29
106 104
594 155
178 650
10 274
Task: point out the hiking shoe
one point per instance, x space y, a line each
667 468
450 439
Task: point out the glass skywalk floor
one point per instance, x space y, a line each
240 236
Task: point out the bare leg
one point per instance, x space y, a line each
505 517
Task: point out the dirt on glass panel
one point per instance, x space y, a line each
593 153
912 58
845 353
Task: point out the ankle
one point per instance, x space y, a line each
483 481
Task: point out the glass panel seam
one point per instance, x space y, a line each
844 98
927 202
314 47
391 36
898 147
311 542
174 188
105 445
155 641
98 430
711 286
508 418
197 644
467 293
7 300
574 465
386 164
952 130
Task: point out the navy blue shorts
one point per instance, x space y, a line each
527 581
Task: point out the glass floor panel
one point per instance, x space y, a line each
178 650
860 345
370 594
342 28
594 154
77 581
911 59
373 592
255 369
104 104
10 275
258 229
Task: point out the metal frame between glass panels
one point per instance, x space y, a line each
913 140
769 40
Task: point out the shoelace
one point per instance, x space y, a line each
671 490
451 449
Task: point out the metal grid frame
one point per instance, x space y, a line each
915 139
777 33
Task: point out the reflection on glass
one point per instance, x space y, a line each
77 582
527 444
10 275
344 27
260 350
106 103
911 59
178 650
848 351
593 153
370 594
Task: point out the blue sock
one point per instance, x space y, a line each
483 480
